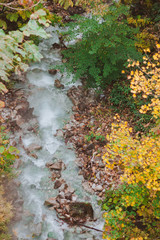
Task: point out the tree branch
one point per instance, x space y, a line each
7 5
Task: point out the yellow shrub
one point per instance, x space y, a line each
140 159
145 80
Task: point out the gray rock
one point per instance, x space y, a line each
34 147
98 188
37 229
55 174
68 196
57 184
58 84
59 133
87 187
52 71
80 210
56 166
50 201
19 121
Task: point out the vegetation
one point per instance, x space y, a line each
115 51
105 45
133 210
17 50
5 216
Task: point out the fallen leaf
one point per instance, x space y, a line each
2 104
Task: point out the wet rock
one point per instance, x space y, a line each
98 188
52 71
80 211
63 201
59 165
19 93
33 155
56 46
61 194
87 187
58 84
79 163
70 189
59 133
50 202
68 196
19 121
74 198
57 184
22 106
34 147
55 175
37 229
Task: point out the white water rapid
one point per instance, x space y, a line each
52 108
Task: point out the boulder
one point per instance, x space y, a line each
57 184
58 166
37 229
52 71
33 147
58 84
87 187
97 188
80 211
55 174
50 202
56 46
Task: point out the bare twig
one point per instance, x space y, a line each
83 225
7 5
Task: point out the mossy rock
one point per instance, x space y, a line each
81 210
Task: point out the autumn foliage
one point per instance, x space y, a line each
145 80
133 209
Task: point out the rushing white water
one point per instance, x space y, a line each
52 108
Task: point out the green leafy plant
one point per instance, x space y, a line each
8 153
131 213
93 136
103 48
16 51
19 13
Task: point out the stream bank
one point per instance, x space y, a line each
38 110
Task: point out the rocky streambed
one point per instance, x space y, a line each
57 200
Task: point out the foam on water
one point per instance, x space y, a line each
52 109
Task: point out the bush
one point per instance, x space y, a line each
145 82
121 99
8 153
133 209
106 44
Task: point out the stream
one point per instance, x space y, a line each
53 110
